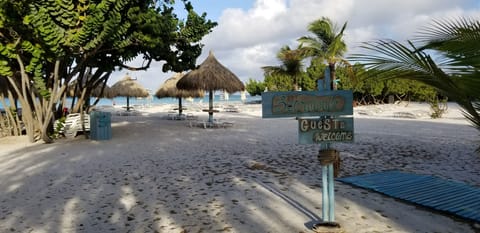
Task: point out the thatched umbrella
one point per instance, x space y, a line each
211 76
128 87
169 89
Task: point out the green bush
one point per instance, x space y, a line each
254 87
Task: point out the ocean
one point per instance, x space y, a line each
152 100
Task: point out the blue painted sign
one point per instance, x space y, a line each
325 130
327 106
306 103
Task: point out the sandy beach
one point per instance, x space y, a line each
160 175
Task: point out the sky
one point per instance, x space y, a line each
251 32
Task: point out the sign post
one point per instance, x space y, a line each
324 117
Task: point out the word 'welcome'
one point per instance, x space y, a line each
325 130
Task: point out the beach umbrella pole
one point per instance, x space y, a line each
210 106
180 106
128 103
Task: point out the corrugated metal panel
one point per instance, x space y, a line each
453 197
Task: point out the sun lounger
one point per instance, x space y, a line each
105 108
127 113
216 123
197 123
230 108
176 116
226 124
191 117
73 124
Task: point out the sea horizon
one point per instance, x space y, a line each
152 100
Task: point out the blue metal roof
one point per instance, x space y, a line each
445 195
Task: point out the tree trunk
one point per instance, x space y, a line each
37 112
23 93
295 83
331 65
10 122
3 126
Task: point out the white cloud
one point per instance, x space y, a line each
268 9
241 34
355 36
247 62
246 40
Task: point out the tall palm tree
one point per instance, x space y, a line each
327 44
455 71
292 64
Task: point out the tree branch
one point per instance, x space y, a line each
131 68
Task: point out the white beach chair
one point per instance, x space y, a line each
73 124
231 108
217 123
221 123
191 117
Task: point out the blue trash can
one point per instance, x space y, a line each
100 125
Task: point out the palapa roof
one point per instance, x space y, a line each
128 87
210 76
169 89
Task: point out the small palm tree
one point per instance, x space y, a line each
327 44
292 64
454 72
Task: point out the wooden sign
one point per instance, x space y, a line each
306 103
325 130
326 106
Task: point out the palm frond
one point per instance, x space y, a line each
473 118
458 39
323 29
454 36
328 41
391 59
456 75
313 46
337 48
471 111
269 70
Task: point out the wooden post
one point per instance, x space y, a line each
210 106
325 185
328 192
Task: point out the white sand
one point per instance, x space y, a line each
158 175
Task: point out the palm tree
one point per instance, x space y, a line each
327 44
292 64
454 72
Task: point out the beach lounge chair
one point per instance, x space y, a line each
191 117
223 123
131 112
73 124
216 123
230 108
